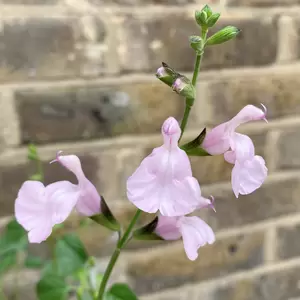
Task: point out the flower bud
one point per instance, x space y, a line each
184 87
196 43
207 10
166 74
203 15
223 36
213 19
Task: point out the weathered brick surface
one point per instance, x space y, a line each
171 268
288 245
149 39
274 199
277 285
26 280
279 92
45 47
262 3
30 2
289 145
68 43
147 2
93 112
9 121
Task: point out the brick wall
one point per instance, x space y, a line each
77 75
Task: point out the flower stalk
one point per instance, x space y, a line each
124 239
189 102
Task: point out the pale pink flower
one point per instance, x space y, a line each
164 182
249 170
39 208
88 199
194 231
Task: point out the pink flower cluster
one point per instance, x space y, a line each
163 183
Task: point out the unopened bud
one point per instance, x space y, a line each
213 19
166 74
223 36
203 15
184 87
162 75
207 10
196 43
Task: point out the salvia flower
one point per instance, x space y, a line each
163 181
39 208
249 170
194 231
88 199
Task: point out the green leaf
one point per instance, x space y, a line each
147 232
196 142
106 218
14 238
33 262
70 255
8 260
48 269
52 287
120 291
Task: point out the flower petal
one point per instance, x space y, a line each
230 157
163 182
171 132
63 196
217 140
180 197
249 176
242 146
168 228
247 114
41 232
33 211
195 234
89 202
72 163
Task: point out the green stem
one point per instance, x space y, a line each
116 254
189 102
123 240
